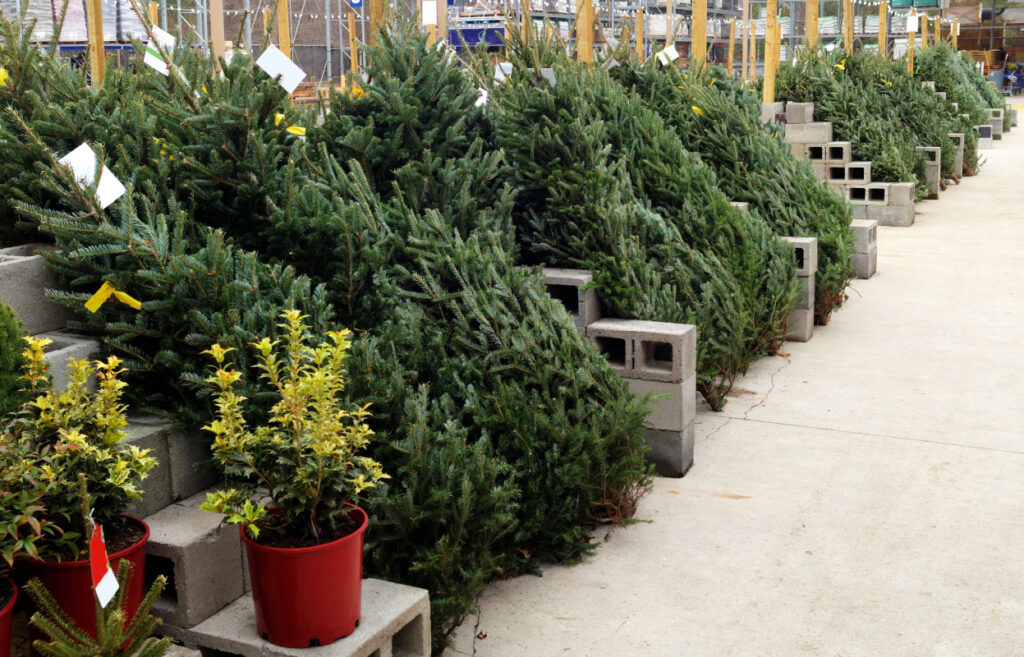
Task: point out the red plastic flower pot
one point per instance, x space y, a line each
70 582
6 615
308 596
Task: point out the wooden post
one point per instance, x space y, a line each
640 35
753 50
847 25
883 26
670 23
153 13
732 48
376 19
284 30
97 54
955 32
585 31
768 92
353 47
699 32
938 29
431 34
527 22
217 30
442 19
745 37
924 30
910 54
811 31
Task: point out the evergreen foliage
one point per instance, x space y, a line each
12 361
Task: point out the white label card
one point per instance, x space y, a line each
82 162
912 21
153 58
430 12
276 63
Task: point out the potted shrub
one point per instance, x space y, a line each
301 473
73 438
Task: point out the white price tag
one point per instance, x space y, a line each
82 162
153 58
275 63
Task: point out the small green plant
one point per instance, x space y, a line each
65 436
11 361
305 459
116 636
22 512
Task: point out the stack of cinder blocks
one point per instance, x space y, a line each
653 357
958 157
932 168
23 279
984 136
890 204
995 118
800 327
771 112
864 260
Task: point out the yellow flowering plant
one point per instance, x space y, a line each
301 468
69 436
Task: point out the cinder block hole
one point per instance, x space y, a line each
815 152
856 173
614 349
156 566
657 356
408 641
567 295
837 173
799 257
876 194
375 653
858 194
836 153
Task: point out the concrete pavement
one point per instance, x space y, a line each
862 496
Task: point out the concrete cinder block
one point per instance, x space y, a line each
928 85
868 194
958 157
742 205
838 187
1013 118
809 133
816 152
674 412
806 254
997 128
892 215
656 351
671 452
800 327
67 345
191 462
985 143
201 557
956 106
984 131
770 112
394 622
838 152
569 286
858 172
865 264
156 487
174 650
941 94
901 193
806 300
819 169
860 211
799 113
865 235
799 151
835 173
931 154
23 278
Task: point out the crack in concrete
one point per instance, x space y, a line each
771 387
728 419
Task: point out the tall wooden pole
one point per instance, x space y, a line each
640 35
938 30
527 22
217 30
811 31
353 47
97 54
442 19
753 50
910 53
376 19
955 32
768 92
670 23
883 27
924 30
848 25
732 48
745 37
699 32
284 30
585 31
153 13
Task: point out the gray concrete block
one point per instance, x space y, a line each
809 133
569 286
174 650
958 157
901 193
800 327
770 112
865 235
1013 118
799 151
835 173
858 172
931 154
201 558
860 211
806 300
394 622
615 343
799 113
985 143
674 412
23 278
868 193
742 205
656 351
66 345
956 106
997 128
928 85
819 169
984 131
865 264
192 468
838 188
671 452
816 152
892 215
156 487
838 152
941 94
995 113
806 254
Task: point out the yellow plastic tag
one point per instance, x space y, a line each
102 294
296 130
3 76
278 118
697 110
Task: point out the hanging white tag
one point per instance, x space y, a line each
912 21
82 162
153 58
275 63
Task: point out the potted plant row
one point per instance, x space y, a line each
299 477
